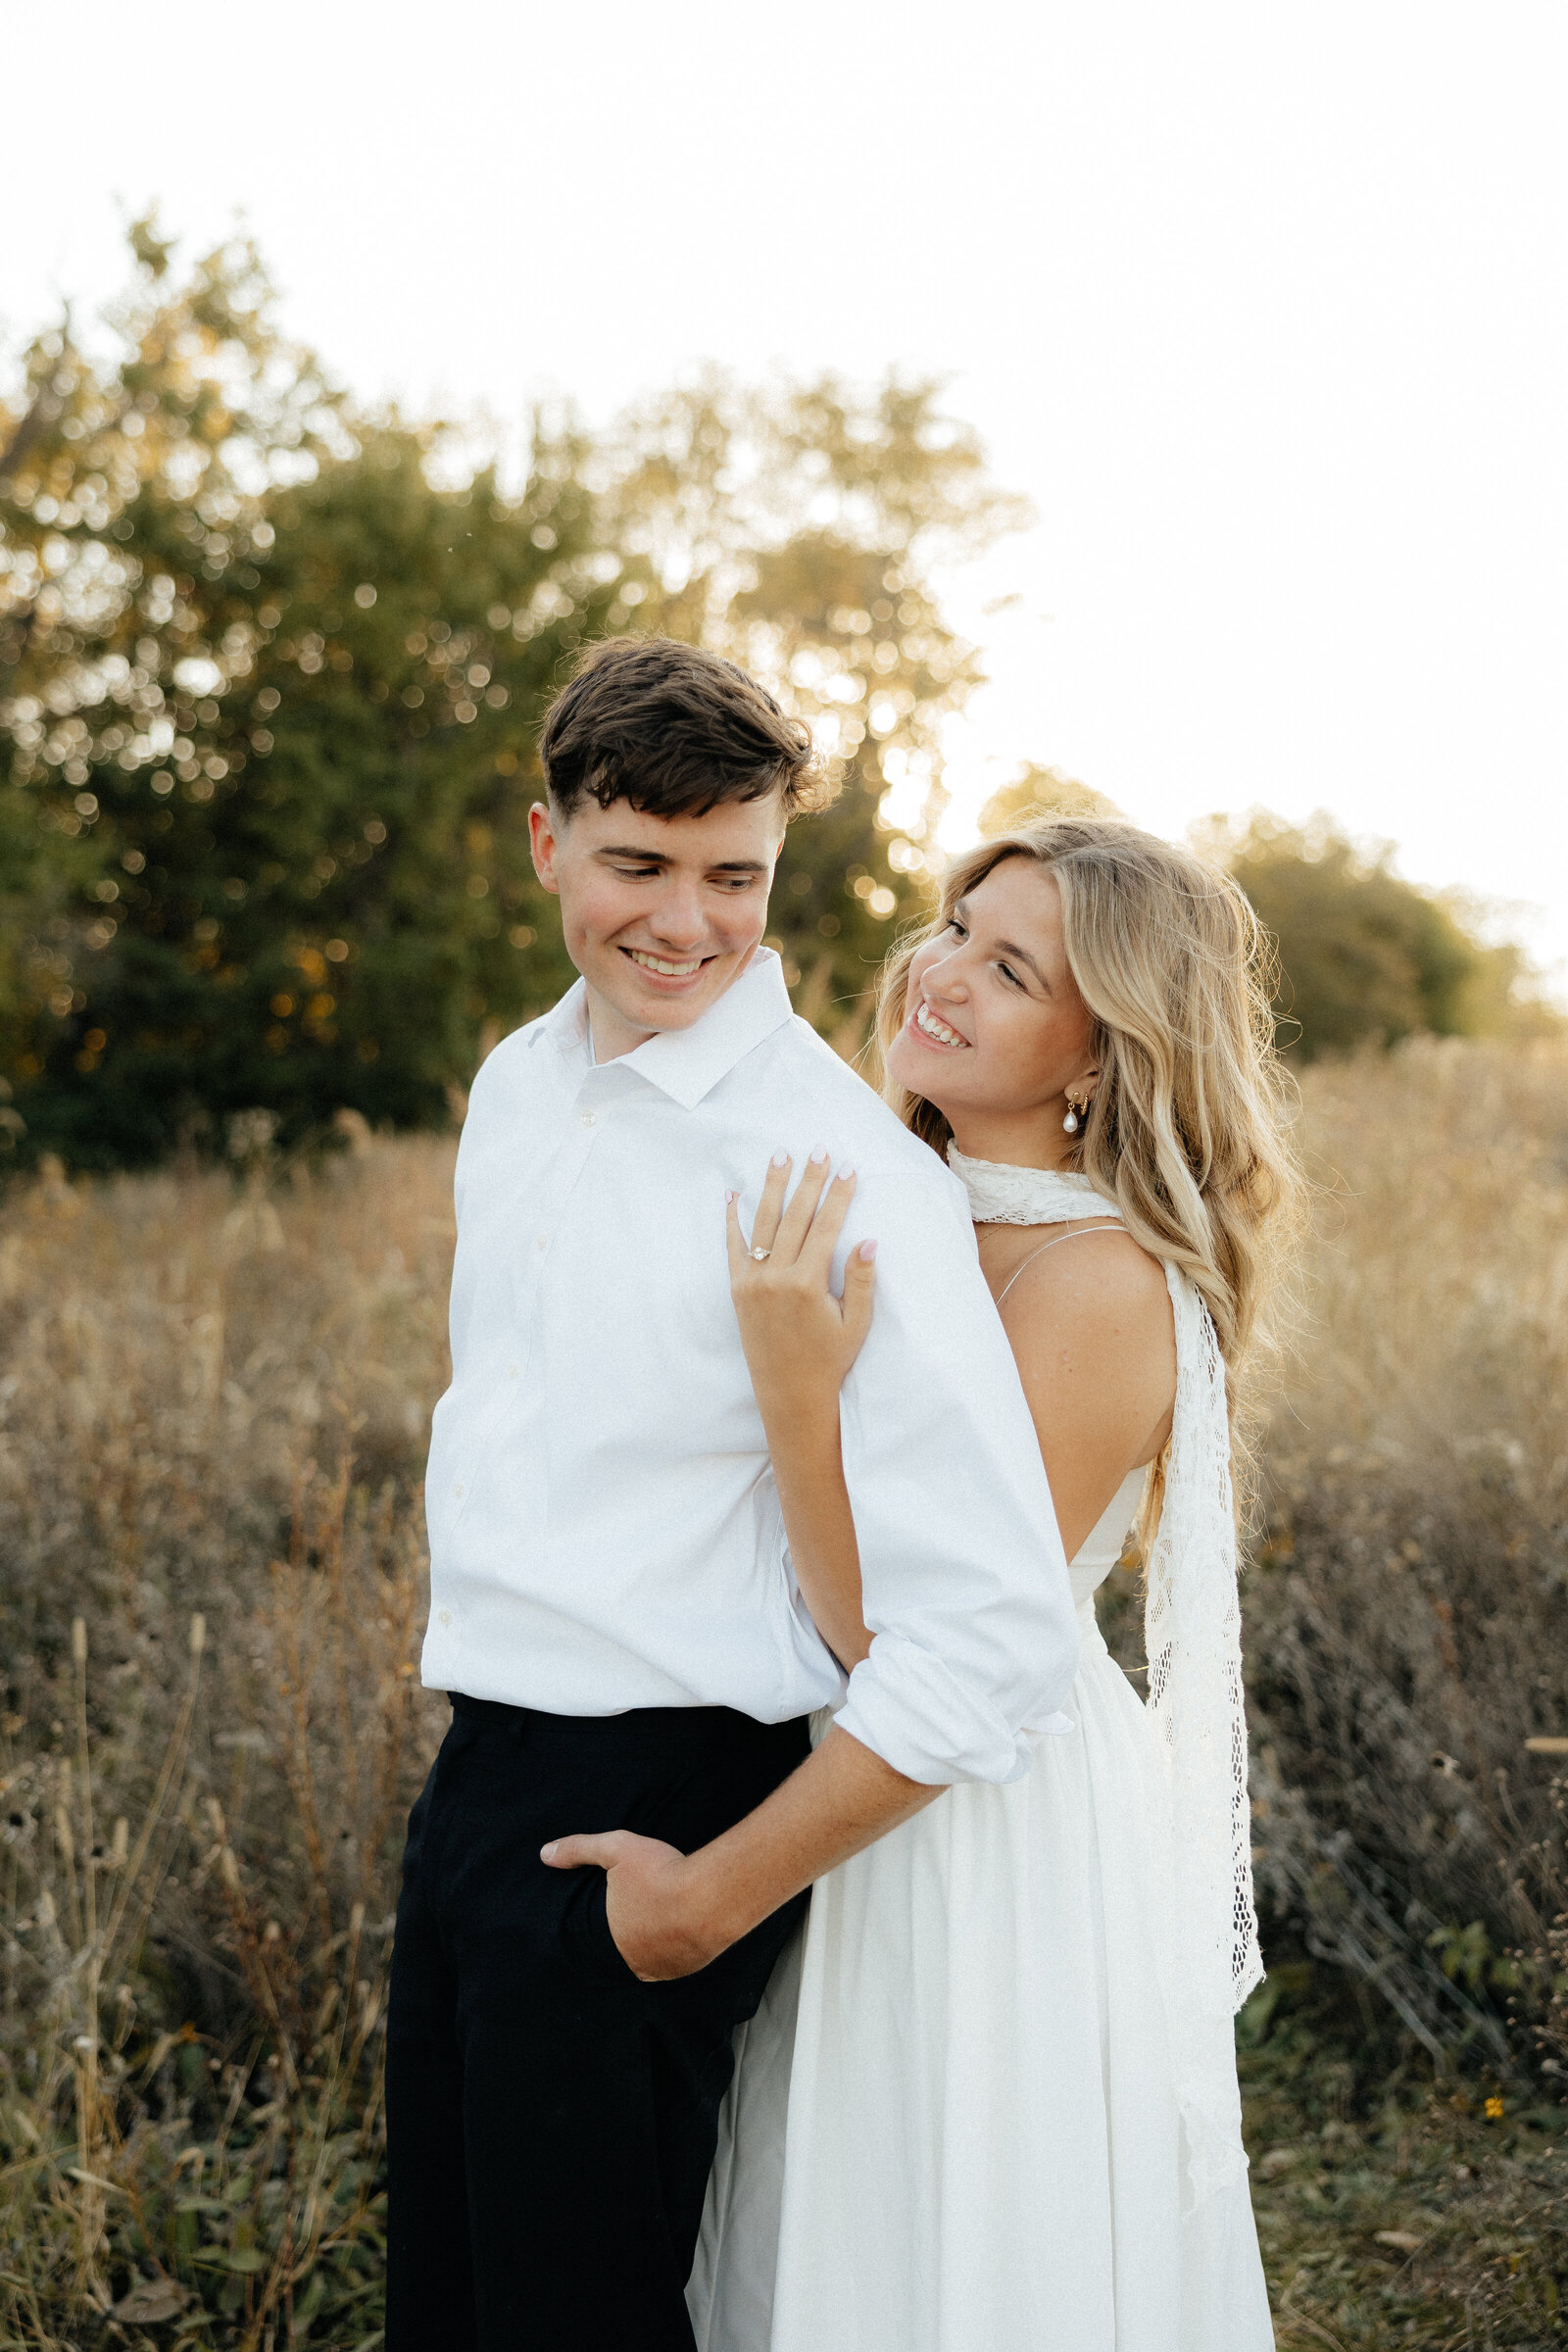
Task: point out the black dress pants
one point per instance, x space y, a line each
551 2121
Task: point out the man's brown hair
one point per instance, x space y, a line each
673 730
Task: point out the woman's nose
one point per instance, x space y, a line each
945 978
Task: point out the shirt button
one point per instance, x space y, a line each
457 1491
446 1617
541 1241
590 1118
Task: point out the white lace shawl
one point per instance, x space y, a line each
1201 1841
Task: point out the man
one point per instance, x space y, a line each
613 1605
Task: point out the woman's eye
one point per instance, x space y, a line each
1007 973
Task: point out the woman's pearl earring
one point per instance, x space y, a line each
1078 1113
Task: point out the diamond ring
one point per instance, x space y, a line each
759 1254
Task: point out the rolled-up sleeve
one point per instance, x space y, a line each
966 1594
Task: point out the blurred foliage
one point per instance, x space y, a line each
1041 792
271 672
266 691
795 530
1364 956
269 679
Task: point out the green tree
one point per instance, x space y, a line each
115 487
268 701
271 675
796 529
1363 955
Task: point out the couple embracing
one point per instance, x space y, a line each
809 1941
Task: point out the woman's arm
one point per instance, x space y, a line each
799 1343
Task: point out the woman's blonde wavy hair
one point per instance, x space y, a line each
1190 1131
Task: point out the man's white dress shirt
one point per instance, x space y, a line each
605 1529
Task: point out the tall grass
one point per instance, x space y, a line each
1407 1616
215 1404
213 1400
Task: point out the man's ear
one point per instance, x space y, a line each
544 842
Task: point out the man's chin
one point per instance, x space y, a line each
664 1014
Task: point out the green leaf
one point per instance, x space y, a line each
242 2259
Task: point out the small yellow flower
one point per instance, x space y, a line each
1493 2110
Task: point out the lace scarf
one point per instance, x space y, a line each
1200 1847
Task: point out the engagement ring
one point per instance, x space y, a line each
759 1254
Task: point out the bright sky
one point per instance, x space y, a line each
1264 307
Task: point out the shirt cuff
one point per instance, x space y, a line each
909 1709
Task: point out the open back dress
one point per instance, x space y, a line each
991 2099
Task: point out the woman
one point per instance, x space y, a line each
1012 2114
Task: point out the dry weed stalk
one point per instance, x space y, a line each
1405 1618
191 2047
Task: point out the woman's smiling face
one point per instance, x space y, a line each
994 1032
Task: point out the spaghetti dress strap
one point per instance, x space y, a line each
1082 1231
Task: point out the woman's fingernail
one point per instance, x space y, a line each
730 1200
819 1157
845 1175
868 1250
781 1159
547 1853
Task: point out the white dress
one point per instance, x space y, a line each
1006 2128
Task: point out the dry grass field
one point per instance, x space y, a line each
214 1395
1407 1620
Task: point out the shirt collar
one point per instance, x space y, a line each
566 1026
688 1063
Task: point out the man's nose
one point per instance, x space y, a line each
677 917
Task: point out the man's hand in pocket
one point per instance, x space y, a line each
649 1901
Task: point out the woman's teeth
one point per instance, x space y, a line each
661 963
929 1025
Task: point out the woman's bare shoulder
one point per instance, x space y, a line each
1091 1330
1090 1283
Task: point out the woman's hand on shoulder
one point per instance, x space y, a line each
1091 1327
800 1339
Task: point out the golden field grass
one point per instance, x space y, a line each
214 1398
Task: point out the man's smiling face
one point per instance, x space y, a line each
660 913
